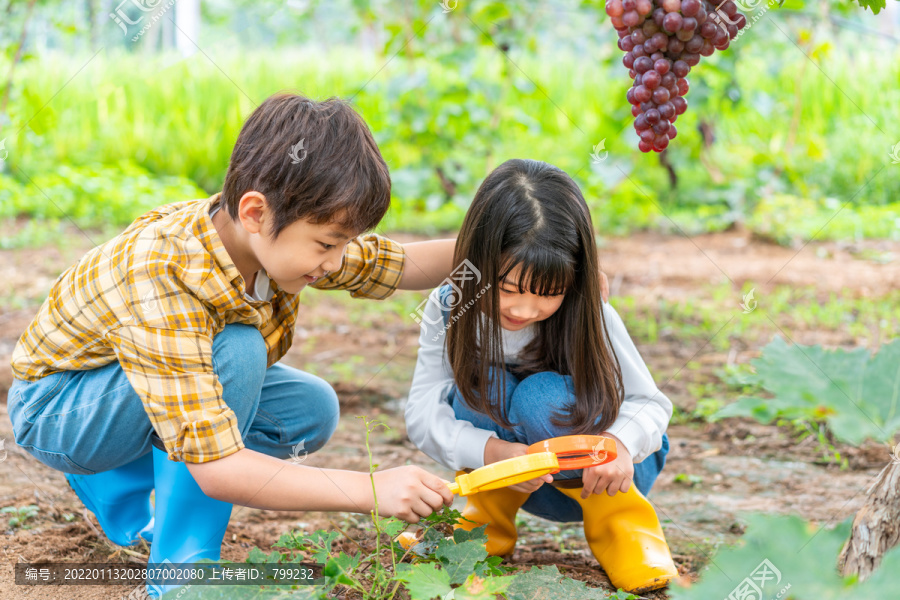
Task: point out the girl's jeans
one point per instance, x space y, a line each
529 404
89 421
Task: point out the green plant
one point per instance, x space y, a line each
855 394
19 515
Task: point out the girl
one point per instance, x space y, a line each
520 348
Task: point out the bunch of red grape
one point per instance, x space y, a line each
662 40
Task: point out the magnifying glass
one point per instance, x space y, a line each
577 451
506 472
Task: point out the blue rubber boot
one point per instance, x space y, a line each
120 499
189 525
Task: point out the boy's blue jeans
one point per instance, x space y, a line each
529 405
90 421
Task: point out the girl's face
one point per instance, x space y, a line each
518 310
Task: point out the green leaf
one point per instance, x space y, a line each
428 544
424 581
392 526
459 559
461 535
482 588
540 583
858 396
340 568
875 5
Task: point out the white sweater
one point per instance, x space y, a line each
456 444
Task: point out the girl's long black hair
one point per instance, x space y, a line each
532 215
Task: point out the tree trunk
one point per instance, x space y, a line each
876 528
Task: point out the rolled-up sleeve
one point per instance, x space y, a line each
372 267
172 372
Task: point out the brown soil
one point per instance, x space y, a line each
714 474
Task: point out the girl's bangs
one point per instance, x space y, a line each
543 272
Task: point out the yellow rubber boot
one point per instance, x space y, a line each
626 538
496 508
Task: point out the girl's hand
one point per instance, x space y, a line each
612 477
496 450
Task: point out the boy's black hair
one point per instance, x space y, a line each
337 175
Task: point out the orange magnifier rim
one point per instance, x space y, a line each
578 451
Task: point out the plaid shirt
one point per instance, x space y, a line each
154 296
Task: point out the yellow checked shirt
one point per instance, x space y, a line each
154 296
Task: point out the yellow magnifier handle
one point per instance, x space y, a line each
506 472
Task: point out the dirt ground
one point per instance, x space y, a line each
714 474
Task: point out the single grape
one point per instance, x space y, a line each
708 30
628 60
631 18
690 8
657 56
662 66
658 16
648 136
645 106
629 95
629 5
640 123
652 116
661 126
723 46
639 51
681 68
661 39
638 80
684 35
667 110
632 73
694 44
668 79
644 146
729 8
642 94
617 22
691 58
644 7
740 21
683 87
671 6
732 31
628 44
672 132
707 48
635 111
701 16
643 64
661 95
680 105
614 8
689 23
720 37
673 22
676 46
649 27
651 79
661 143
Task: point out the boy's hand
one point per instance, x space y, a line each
612 477
496 450
410 493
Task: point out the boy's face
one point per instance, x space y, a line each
303 252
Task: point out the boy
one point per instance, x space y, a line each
154 360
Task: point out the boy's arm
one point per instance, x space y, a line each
427 264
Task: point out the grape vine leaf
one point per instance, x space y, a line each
539 583
391 526
858 396
482 588
787 557
459 560
461 535
424 581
